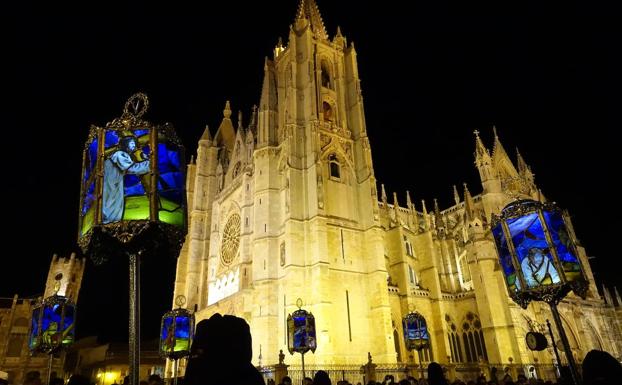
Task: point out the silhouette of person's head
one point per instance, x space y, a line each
601 368
321 378
221 353
436 375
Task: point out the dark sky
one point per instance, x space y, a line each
431 74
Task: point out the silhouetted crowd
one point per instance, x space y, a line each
222 350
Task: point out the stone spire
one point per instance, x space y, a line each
396 208
481 152
469 205
498 152
225 135
456 196
523 169
426 222
383 195
607 295
206 135
409 202
267 116
308 9
617 296
438 218
240 126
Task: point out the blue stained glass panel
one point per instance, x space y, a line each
170 185
563 245
532 249
300 332
34 328
505 257
55 329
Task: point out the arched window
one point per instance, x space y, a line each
327 109
334 167
411 275
409 247
396 342
473 338
326 78
236 169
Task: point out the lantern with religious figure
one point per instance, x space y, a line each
132 188
538 257
416 334
176 333
132 199
52 325
301 332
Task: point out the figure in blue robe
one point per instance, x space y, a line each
115 168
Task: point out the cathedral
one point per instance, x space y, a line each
289 207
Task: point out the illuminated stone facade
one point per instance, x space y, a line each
286 207
15 319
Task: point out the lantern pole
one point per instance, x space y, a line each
49 374
420 364
134 321
175 370
554 348
562 334
302 354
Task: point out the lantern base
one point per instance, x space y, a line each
550 294
116 240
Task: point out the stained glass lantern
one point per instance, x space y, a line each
301 332
176 331
53 321
537 252
132 186
416 333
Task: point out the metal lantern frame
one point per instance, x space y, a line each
51 344
417 344
102 241
550 293
171 338
126 237
309 327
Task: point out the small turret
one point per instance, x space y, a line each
456 196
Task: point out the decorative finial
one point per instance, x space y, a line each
299 303
180 301
476 133
136 105
239 119
227 110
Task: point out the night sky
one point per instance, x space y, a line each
431 74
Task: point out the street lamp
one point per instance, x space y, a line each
132 199
416 335
176 333
539 259
52 325
301 333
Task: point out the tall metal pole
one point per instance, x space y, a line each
420 364
559 362
560 329
175 370
134 321
303 366
50 358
